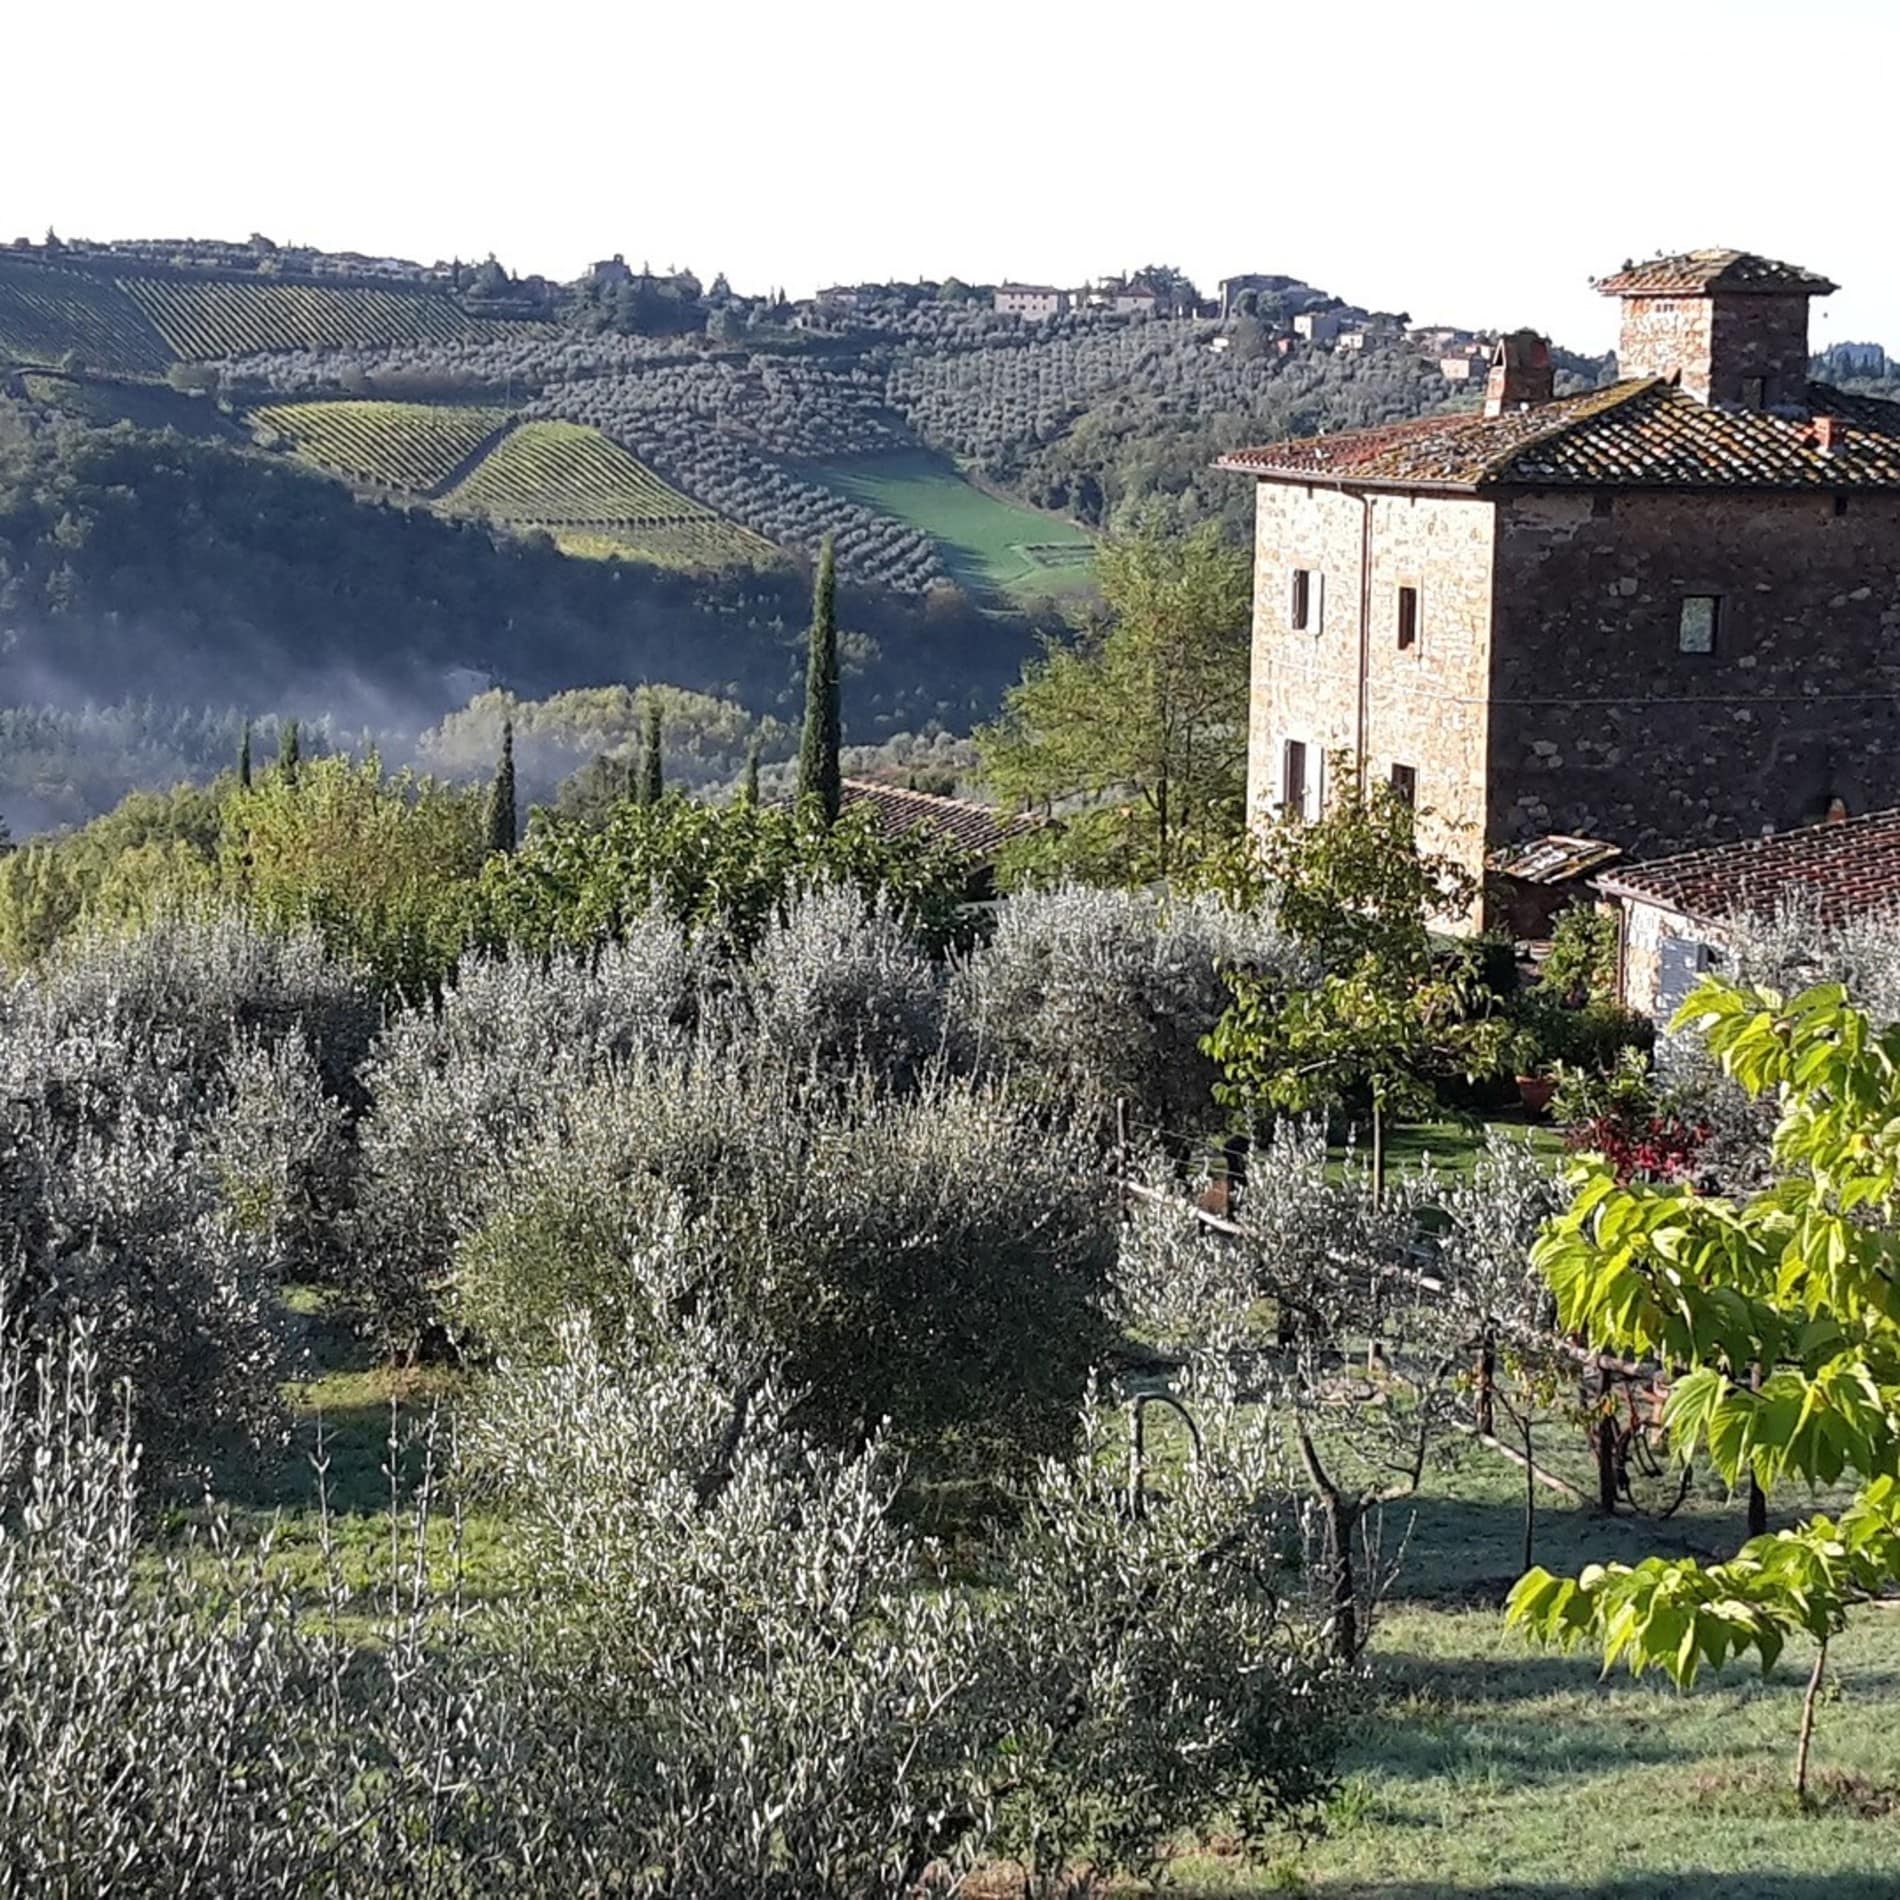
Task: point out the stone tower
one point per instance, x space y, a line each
1727 327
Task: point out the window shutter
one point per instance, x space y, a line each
1319 603
1315 789
1680 961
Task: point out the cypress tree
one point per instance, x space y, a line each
289 748
244 757
501 795
819 773
749 785
652 781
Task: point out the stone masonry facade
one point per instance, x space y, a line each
1716 346
1602 727
1424 706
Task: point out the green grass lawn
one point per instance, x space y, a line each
989 545
1481 1766
1452 1147
1490 1767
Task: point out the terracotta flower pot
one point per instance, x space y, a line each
1535 1091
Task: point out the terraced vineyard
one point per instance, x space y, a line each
597 499
227 316
45 313
408 445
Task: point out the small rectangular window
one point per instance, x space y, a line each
1695 632
1405 783
1300 609
1408 617
1602 504
1293 780
1754 391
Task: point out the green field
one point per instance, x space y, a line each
596 499
408 445
989 545
1489 1767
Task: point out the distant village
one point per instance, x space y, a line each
1294 315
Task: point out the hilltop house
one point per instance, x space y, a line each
1030 300
1656 614
1316 326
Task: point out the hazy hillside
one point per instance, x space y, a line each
238 480
140 563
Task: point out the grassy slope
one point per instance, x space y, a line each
983 537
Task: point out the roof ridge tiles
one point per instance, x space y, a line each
1640 432
883 788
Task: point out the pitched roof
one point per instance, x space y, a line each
1704 273
1844 869
1639 434
981 831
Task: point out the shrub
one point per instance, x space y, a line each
1084 995
720 871
148 853
214 980
1584 944
938 1260
1591 1037
170 1153
1163 1663
1133 1667
838 986
458 1088
380 867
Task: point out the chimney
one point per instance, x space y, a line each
1521 375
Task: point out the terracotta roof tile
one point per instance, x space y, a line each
1843 869
1641 434
979 830
1702 273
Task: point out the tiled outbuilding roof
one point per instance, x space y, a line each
980 831
1638 434
1843 869
1554 858
1709 273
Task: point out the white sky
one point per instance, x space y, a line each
1467 162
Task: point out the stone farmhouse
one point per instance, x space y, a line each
1030 300
1661 614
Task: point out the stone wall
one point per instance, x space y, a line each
1424 706
1715 343
1600 726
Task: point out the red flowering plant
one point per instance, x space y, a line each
1643 1131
